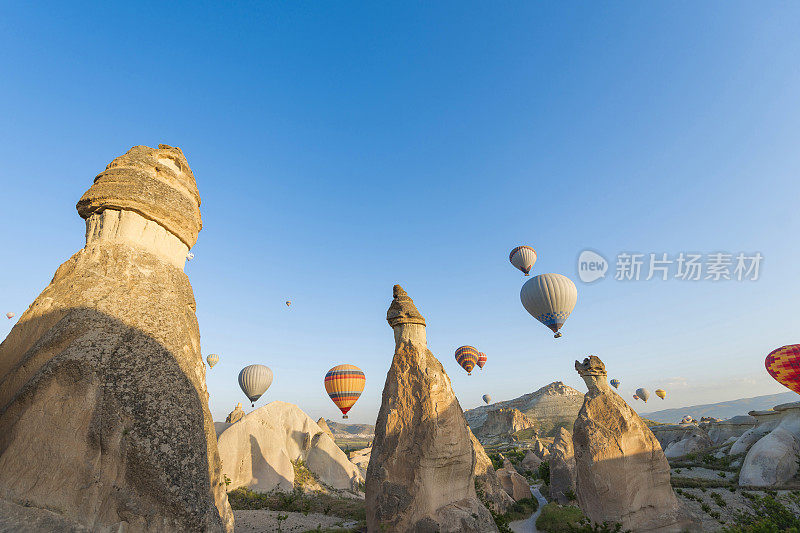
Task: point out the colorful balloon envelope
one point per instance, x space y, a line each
687 419
615 383
344 384
288 303
467 357
783 365
644 394
661 393
635 397
523 257
212 360
9 315
254 381
487 399
481 360
549 298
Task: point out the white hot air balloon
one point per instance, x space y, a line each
254 381
212 360
644 394
10 315
190 256
523 257
549 298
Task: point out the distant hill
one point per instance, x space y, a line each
723 409
553 406
351 430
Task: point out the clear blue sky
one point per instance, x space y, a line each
340 148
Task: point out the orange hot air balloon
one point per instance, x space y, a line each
481 360
783 364
467 357
344 384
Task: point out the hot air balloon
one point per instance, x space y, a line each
687 420
523 257
254 381
644 394
635 397
661 393
9 315
615 383
487 399
288 303
344 384
549 298
189 256
481 360
212 360
467 357
783 365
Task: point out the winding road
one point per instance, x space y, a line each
529 524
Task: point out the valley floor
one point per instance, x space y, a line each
263 521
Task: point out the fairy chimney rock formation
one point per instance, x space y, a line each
103 403
235 415
421 470
621 473
323 425
562 467
487 480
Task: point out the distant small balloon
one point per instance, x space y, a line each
190 256
635 397
467 357
523 257
644 394
288 303
481 360
615 383
212 360
487 399
687 420
10 315
254 381
661 393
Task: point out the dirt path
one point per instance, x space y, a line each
529 524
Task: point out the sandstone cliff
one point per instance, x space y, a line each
103 404
421 470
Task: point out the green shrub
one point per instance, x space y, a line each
768 516
586 526
497 461
298 502
557 518
718 499
522 509
544 472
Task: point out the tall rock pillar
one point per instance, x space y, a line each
622 474
420 476
104 418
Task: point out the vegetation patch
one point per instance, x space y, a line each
694 483
298 501
767 515
557 518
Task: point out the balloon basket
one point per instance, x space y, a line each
344 416
557 335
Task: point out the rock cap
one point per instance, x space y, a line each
155 183
402 309
591 366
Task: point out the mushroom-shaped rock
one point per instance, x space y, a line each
621 473
421 469
773 460
103 402
765 421
235 415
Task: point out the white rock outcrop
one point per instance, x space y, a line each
261 449
765 421
773 460
720 431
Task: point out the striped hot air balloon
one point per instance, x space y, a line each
549 298
661 393
9 315
615 383
212 360
487 399
344 384
481 360
635 397
254 381
523 257
467 357
783 365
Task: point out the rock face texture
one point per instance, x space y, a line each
621 472
235 415
487 483
773 460
679 439
504 422
421 470
562 467
530 462
720 431
323 425
103 405
765 421
553 406
259 451
360 458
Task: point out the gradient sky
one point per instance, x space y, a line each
340 148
